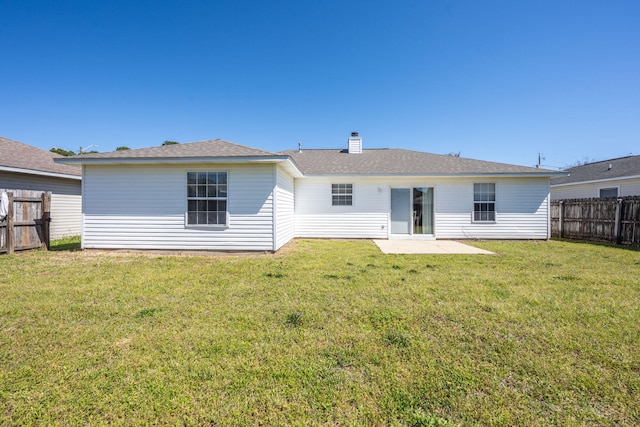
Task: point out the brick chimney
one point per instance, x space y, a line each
355 143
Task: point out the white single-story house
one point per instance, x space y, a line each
609 178
23 167
218 195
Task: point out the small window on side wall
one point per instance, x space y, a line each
609 192
484 202
207 198
341 194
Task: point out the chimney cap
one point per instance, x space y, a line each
354 134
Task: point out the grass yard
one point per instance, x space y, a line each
323 333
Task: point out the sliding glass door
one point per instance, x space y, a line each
412 210
423 210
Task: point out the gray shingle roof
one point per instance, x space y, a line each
211 148
399 162
620 168
14 154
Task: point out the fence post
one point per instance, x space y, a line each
10 229
561 219
45 220
618 225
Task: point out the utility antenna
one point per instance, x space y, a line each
540 159
82 150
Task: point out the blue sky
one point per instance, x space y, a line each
494 80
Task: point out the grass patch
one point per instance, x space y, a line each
66 244
328 332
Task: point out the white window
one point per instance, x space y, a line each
207 198
609 192
342 194
484 202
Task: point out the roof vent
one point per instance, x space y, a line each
610 166
355 143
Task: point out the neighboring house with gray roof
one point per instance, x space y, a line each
608 178
24 167
217 195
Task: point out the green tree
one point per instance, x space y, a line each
170 143
123 148
62 151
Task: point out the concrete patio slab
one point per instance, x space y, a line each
427 247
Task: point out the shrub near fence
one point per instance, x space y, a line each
615 220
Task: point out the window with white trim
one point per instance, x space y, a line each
484 202
206 198
609 192
341 194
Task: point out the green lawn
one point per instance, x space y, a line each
324 332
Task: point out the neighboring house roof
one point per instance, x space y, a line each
22 158
216 148
622 167
400 162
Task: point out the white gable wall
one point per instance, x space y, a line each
521 208
626 187
144 207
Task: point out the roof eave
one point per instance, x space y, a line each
41 173
594 181
436 175
164 160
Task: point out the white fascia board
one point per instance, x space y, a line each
595 181
156 160
460 175
42 173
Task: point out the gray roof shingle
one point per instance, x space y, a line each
210 148
14 154
398 162
606 169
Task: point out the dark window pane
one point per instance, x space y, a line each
202 205
212 205
202 191
192 205
222 205
222 191
211 190
212 178
222 218
192 218
222 178
212 218
202 177
191 191
191 177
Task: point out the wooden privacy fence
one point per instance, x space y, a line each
26 225
615 220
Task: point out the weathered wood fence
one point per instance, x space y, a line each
26 225
615 220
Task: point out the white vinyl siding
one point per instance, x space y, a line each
521 208
627 187
66 215
284 211
66 201
317 217
144 207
